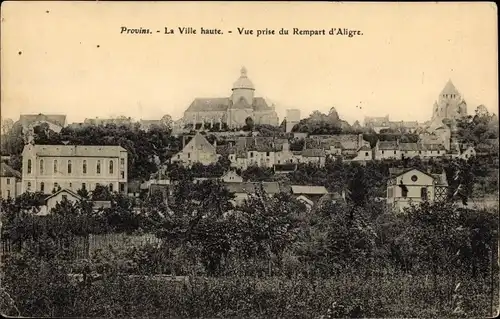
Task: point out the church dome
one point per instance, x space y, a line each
243 82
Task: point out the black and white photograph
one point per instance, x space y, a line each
264 159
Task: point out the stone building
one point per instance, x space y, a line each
292 119
233 110
56 122
10 181
50 167
449 106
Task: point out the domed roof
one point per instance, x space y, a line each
243 82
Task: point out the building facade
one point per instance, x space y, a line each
412 186
292 119
51 167
197 150
233 110
10 182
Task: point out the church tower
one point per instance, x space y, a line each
243 87
242 100
450 104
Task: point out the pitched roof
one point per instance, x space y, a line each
64 190
219 104
7 171
79 150
388 145
57 119
314 152
434 147
199 142
449 88
250 187
309 190
410 147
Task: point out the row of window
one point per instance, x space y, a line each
70 166
56 186
404 193
406 152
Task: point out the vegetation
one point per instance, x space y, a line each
269 258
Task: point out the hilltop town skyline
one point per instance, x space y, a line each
396 68
280 109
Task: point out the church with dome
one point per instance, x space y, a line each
232 110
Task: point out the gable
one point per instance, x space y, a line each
415 177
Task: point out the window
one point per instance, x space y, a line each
251 154
8 181
42 186
123 174
419 152
111 166
29 166
56 186
178 156
122 187
98 168
414 178
84 186
55 166
8 193
366 153
404 192
423 193
29 186
394 152
189 155
382 152
70 185
122 161
267 153
84 167
69 166
41 166
111 187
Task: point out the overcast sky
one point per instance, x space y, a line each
70 58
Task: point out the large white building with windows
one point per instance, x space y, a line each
50 167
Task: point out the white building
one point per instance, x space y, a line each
407 186
50 167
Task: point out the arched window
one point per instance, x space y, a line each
41 166
423 193
69 166
111 167
98 168
55 166
29 166
84 167
42 186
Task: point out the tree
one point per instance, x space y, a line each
167 121
7 125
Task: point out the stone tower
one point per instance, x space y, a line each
450 104
292 118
